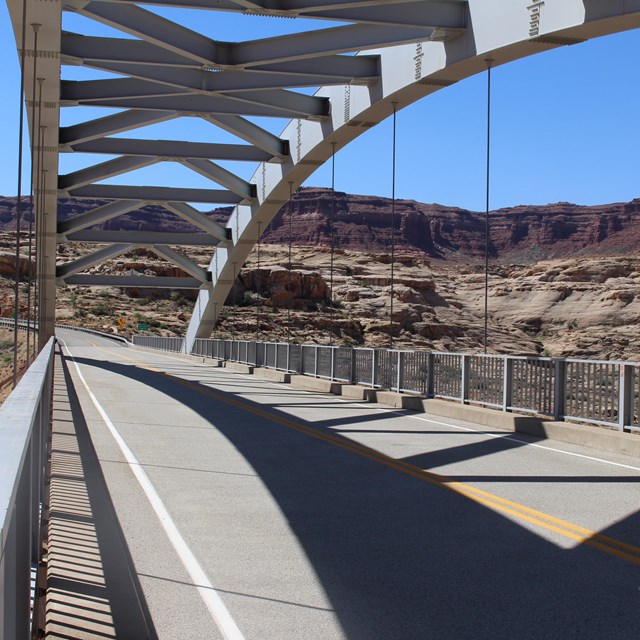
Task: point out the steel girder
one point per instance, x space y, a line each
163 71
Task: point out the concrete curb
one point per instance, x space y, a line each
317 384
585 435
399 400
272 375
357 392
239 367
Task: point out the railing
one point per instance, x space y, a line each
25 419
161 343
95 332
594 391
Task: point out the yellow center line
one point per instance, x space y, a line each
575 532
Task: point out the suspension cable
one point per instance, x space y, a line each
16 303
42 290
258 289
34 133
331 231
289 297
393 222
37 197
489 62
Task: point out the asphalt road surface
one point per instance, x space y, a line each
255 510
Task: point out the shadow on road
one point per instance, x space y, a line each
403 559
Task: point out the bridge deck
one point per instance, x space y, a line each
249 509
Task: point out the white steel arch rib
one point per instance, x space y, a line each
405 50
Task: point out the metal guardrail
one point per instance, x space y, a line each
25 419
594 391
101 334
162 343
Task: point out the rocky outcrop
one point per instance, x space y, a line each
523 234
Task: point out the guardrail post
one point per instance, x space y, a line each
399 365
333 363
315 366
288 356
559 389
430 386
625 400
507 387
464 382
374 366
352 375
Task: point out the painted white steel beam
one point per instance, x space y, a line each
252 133
198 219
155 194
269 104
98 215
135 281
377 12
110 125
122 55
96 257
221 176
172 149
102 171
143 238
181 261
152 28
255 79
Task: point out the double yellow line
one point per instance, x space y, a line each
611 546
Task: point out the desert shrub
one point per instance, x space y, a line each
101 309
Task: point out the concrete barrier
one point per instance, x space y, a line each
238 367
399 400
272 374
317 384
586 435
357 392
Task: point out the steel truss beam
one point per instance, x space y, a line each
268 104
392 12
172 149
197 219
124 55
155 194
181 261
140 238
230 81
138 282
252 133
99 215
110 125
102 171
101 255
222 177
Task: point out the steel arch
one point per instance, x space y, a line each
406 50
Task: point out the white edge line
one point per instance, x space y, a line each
207 592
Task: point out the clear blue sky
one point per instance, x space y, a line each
565 128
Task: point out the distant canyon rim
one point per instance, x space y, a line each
564 280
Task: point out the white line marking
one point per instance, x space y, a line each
207 592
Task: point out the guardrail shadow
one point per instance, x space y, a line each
92 587
404 559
